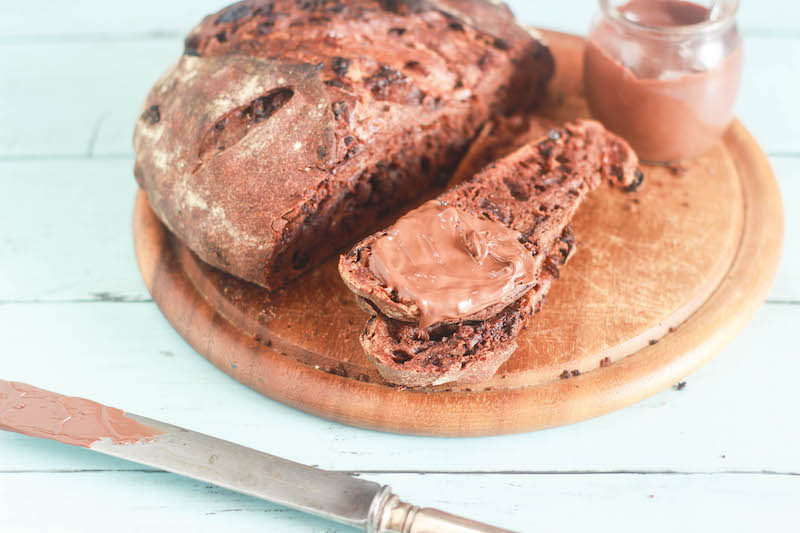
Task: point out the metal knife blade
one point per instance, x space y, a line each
336 496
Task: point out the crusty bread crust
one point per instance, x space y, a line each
288 127
453 360
456 370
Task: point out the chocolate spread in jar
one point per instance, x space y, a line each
450 263
39 413
671 98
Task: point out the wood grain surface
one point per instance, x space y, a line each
646 263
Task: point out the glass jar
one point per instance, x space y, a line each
664 74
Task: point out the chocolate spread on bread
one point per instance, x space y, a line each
287 128
465 352
535 192
451 263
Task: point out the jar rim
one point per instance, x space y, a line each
727 15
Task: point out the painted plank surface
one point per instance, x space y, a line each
136 501
76 99
787 281
95 19
101 85
67 226
65 231
735 414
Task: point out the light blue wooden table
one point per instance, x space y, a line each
723 454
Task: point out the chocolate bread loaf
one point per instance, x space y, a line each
288 127
534 191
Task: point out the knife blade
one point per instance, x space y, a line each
336 496
329 494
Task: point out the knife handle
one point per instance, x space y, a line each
391 515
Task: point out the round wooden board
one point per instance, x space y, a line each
663 279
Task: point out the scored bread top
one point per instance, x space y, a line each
534 191
277 107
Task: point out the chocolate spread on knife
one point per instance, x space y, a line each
670 99
39 413
450 263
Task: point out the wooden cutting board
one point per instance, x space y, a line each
662 280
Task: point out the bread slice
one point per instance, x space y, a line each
463 353
287 128
535 191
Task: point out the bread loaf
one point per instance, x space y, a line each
287 128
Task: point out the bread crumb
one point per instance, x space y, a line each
678 170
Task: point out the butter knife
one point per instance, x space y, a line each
355 502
